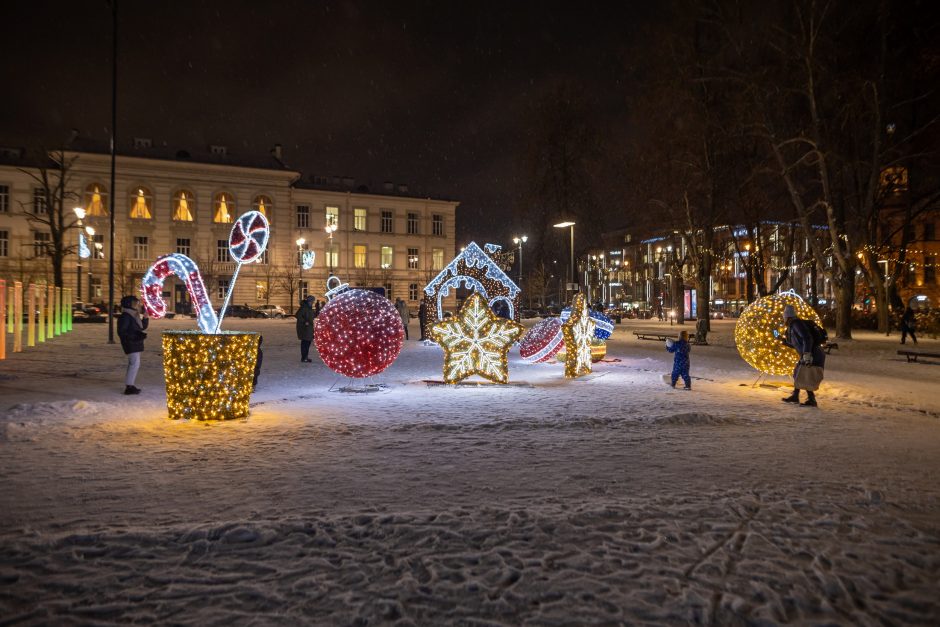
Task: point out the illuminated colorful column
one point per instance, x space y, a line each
41 312
10 300
57 316
50 311
31 315
17 317
208 375
67 309
3 335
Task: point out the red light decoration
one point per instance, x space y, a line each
358 333
542 342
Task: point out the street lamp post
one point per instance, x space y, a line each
80 214
91 238
562 225
330 228
519 241
300 264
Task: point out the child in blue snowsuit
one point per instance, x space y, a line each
680 365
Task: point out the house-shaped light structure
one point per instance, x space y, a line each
472 269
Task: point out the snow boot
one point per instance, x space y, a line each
810 401
130 389
793 398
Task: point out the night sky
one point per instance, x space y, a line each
436 95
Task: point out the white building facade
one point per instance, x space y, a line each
384 240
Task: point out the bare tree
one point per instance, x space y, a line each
288 281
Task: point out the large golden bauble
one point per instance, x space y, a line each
754 333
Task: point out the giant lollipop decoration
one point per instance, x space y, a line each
246 243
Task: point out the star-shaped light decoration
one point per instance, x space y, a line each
477 341
578 330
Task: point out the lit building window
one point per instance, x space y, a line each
262 204
183 206
437 259
96 200
388 256
332 256
360 219
413 258
359 256
894 180
261 290
141 203
224 208
332 216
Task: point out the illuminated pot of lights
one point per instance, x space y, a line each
598 351
209 376
754 333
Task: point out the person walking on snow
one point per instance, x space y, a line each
908 325
680 363
130 329
801 338
405 314
422 317
305 316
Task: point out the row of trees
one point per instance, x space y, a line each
822 113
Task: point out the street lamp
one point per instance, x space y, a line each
80 214
330 228
300 277
520 241
564 225
91 237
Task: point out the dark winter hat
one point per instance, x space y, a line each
789 312
309 299
128 302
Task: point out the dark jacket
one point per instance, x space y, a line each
908 320
800 337
305 322
132 335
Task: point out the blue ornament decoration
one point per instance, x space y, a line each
603 326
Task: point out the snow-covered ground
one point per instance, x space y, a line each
603 500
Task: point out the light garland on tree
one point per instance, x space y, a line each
358 333
472 269
542 342
578 332
208 376
754 333
477 341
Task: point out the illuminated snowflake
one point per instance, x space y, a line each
578 331
477 341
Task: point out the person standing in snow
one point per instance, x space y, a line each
908 325
801 338
402 308
422 317
254 382
680 363
130 329
305 316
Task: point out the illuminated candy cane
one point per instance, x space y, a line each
246 243
184 268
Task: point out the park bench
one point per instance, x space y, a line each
662 337
913 355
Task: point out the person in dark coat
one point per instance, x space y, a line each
316 309
680 363
130 329
908 325
423 318
799 336
405 314
305 319
254 382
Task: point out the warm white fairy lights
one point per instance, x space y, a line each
760 330
578 332
477 341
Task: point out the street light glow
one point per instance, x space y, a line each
562 225
79 212
301 241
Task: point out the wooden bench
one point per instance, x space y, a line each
828 346
913 355
662 337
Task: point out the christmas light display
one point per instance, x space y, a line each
358 333
542 342
603 326
598 351
578 332
83 251
246 243
184 268
477 341
754 333
475 270
208 376
307 258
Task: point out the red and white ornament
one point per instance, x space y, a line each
542 342
358 333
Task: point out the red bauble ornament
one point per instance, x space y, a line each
542 342
358 333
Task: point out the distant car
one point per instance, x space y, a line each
241 311
717 315
272 311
